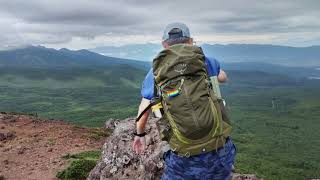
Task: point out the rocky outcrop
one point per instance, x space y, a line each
118 161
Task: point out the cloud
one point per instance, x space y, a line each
88 23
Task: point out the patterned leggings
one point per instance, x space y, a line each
215 165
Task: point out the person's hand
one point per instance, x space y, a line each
139 144
222 77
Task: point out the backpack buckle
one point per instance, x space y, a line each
187 154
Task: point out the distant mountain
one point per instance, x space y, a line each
296 72
283 55
142 52
79 86
39 56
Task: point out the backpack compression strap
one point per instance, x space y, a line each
145 110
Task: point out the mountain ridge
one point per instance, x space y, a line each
277 54
40 56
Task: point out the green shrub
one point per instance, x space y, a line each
81 165
98 134
78 169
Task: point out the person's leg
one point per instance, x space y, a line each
209 166
193 167
226 159
173 167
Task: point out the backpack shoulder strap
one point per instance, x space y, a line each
144 111
152 103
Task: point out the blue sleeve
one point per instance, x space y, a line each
148 85
213 66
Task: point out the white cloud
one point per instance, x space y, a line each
87 23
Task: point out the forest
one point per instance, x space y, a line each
275 117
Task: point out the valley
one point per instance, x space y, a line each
274 109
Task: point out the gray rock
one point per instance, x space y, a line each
7 136
2 137
118 161
237 176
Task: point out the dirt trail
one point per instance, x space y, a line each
31 148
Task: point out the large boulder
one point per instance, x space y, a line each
118 161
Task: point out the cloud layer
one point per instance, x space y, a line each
89 23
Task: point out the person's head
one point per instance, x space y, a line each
176 33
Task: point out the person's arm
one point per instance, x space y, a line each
213 68
140 127
147 93
222 76
139 143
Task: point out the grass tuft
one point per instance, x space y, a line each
80 166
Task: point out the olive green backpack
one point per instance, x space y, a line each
192 122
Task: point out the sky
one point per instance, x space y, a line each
80 24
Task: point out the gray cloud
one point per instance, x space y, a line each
84 23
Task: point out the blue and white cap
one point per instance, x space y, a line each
183 31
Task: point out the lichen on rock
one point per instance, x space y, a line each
118 161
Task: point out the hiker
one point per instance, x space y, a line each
196 125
